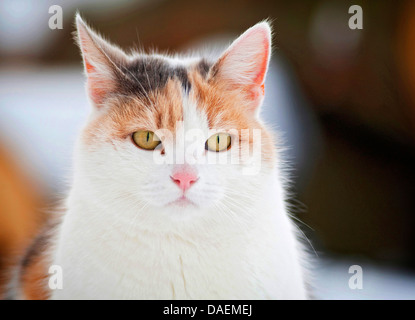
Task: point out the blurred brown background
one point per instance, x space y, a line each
358 197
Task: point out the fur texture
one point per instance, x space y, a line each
124 234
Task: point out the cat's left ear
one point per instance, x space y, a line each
244 64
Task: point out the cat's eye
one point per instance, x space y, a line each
146 140
218 142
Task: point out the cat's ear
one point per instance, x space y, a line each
244 64
102 62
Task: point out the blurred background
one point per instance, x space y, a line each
344 101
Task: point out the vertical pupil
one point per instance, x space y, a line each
218 138
148 136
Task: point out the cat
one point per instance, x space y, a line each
135 227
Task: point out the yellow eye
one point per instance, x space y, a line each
218 142
146 140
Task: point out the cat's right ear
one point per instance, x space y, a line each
243 66
101 62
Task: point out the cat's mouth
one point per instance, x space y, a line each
183 201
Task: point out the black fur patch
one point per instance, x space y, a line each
203 67
149 74
38 246
146 74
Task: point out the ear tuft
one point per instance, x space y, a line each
244 64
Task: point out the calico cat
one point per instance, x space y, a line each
142 222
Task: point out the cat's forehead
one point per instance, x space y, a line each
146 74
164 90
163 94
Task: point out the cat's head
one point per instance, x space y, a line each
176 133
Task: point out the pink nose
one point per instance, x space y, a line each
184 179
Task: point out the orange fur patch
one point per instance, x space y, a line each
160 109
34 275
34 280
